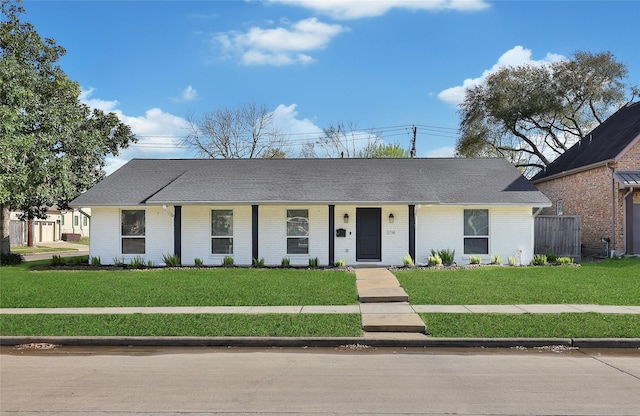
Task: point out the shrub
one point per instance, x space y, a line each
447 255
434 260
171 260
95 261
56 260
538 260
513 261
149 263
285 262
228 261
496 259
11 259
258 262
339 263
475 259
138 262
407 260
118 261
551 258
313 262
564 260
198 262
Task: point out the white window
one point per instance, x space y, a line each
476 231
560 207
297 231
132 226
222 231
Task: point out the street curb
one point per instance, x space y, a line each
319 342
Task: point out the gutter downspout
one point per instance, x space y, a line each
164 207
613 209
624 221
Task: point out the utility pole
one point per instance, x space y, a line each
413 143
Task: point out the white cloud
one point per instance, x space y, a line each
357 9
158 132
516 56
446 151
188 94
279 46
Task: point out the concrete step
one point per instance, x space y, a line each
397 322
383 294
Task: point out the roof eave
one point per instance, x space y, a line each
573 171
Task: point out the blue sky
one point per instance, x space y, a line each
384 65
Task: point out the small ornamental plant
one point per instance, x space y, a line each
339 263
407 260
475 259
434 260
513 260
495 259
228 261
564 260
286 262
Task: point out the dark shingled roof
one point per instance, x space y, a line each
606 142
326 181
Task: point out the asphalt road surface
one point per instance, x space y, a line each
346 381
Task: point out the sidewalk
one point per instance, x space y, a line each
381 308
72 250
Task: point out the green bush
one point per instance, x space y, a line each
286 262
434 260
447 255
513 261
228 261
95 261
551 258
313 262
138 262
495 259
258 262
538 260
56 260
171 260
475 259
407 260
339 263
564 260
11 259
198 262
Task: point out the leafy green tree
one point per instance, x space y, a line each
532 114
53 146
382 150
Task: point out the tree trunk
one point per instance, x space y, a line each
5 231
30 233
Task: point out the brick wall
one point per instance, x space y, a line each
589 194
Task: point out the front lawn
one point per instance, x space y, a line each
610 282
24 288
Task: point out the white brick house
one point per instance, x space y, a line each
364 211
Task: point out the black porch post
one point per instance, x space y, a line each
177 232
254 231
332 221
412 232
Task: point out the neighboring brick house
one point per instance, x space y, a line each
598 179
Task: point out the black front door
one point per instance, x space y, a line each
368 234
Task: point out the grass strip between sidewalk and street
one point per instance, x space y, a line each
566 325
198 325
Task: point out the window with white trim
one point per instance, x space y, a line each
560 207
476 231
221 231
297 231
132 231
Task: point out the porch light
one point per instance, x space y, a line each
391 218
346 218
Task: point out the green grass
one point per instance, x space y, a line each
610 282
566 325
281 325
39 249
23 288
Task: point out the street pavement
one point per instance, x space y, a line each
340 381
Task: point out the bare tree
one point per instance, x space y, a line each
244 132
347 141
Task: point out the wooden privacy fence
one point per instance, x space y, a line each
558 234
16 232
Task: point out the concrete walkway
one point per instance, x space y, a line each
336 309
